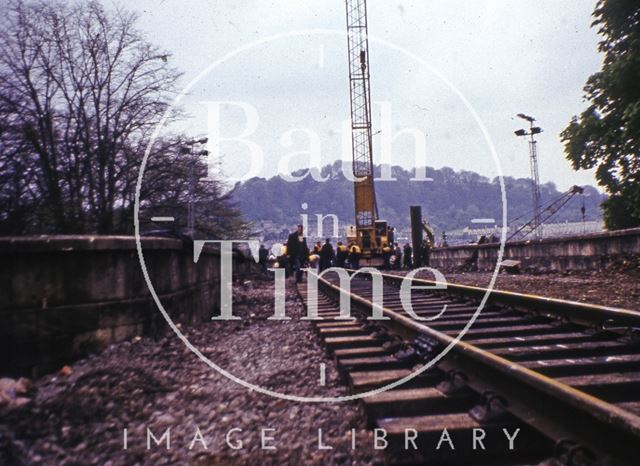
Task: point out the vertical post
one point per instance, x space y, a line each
535 184
190 207
535 224
415 212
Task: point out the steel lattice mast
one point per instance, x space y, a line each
536 224
361 135
535 186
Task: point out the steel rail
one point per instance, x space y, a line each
580 313
557 410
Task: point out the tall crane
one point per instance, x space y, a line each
370 233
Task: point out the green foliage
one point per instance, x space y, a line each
606 136
620 210
449 202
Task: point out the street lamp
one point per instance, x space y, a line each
535 177
190 148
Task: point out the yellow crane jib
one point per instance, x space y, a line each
371 233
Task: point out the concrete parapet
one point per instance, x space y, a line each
577 253
63 297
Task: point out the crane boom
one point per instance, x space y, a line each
366 210
541 216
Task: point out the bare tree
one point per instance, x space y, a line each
80 91
173 179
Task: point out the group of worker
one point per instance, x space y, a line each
323 256
396 257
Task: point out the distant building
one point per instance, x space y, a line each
549 230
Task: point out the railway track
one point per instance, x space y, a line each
562 379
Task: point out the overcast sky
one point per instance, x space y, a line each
505 57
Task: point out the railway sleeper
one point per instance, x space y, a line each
585 366
550 339
369 358
367 380
561 350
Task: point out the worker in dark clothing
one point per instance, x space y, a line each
298 252
342 254
314 258
283 261
426 252
387 252
408 252
354 256
263 258
398 254
327 255
444 240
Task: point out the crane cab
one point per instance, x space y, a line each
384 234
371 241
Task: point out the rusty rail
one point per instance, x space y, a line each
552 407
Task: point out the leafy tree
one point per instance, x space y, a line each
606 136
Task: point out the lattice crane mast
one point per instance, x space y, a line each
369 233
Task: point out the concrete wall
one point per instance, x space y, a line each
587 252
64 297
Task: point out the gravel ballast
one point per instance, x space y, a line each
605 288
613 289
80 417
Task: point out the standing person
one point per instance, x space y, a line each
341 255
426 252
408 251
283 261
263 258
354 257
398 254
314 257
298 252
387 252
327 255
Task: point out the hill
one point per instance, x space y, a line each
449 202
